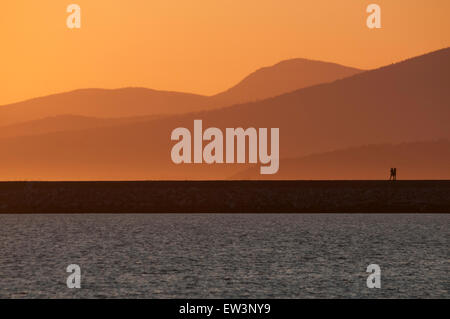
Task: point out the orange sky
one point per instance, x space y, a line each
199 46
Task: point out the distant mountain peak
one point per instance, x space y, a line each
283 77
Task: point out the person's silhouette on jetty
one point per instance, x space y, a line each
393 176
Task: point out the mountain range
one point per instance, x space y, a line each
407 101
280 78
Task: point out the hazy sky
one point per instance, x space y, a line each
200 46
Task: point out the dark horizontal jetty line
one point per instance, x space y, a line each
226 197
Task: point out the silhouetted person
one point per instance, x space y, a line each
393 175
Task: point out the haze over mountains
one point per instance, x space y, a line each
102 103
403 102
270 81
67 123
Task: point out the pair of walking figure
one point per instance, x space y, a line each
393 176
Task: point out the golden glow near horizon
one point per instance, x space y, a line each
201 46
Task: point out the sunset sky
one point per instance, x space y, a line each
200 46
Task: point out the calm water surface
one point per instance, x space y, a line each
224 256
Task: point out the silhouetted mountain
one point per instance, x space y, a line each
283 77
270 81
127 102
420 160
408 101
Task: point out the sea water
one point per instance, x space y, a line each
224 255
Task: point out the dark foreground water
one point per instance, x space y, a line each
224 256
